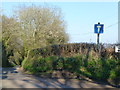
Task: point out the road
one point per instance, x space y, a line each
14 78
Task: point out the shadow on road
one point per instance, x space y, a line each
7 71
14 79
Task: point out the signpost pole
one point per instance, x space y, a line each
98 44
98 39
98 36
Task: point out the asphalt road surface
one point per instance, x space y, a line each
14 78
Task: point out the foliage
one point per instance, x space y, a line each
67 50
3 57
114 77
31 27
81 59
41 26
39 65
98 69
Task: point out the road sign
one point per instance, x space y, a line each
98 28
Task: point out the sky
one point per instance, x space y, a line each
80 18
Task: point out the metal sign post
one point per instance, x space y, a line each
98 39
98 29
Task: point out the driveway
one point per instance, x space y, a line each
14 78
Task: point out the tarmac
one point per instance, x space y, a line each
14 78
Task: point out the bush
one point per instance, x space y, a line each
67 50
72 64
114 77
104 69
36 65
59 64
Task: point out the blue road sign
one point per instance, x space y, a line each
98 28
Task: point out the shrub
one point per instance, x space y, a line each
98 68
101 69
72 64
114 77
36 65
66 50
59 64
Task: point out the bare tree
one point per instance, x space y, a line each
41 26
